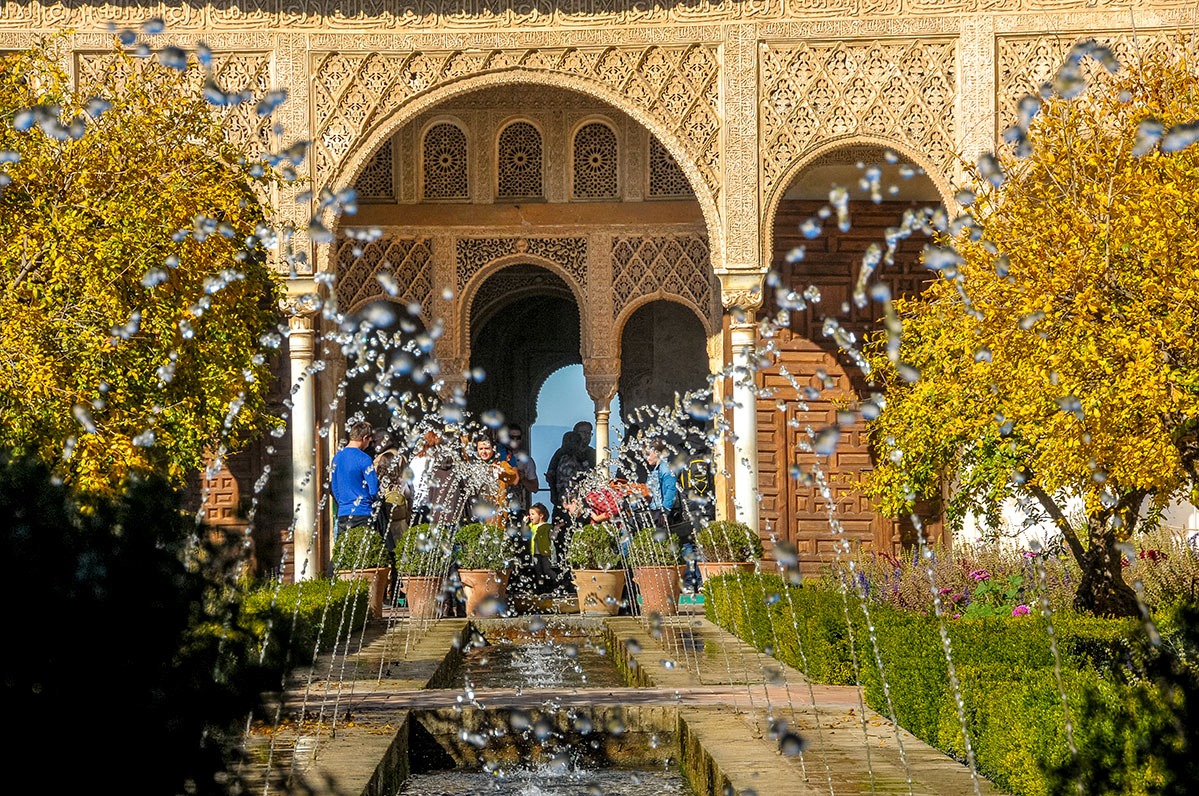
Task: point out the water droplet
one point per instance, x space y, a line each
84 416
173 57
270 101
791 744
1148 133
1179 137
990 170
825 443
1031 320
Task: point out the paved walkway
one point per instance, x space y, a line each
727 695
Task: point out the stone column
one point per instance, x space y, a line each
742 296
301 305
976 111
602 377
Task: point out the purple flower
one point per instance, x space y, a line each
1021 610
1030 554
980 574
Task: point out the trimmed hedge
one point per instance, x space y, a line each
305 619
1012 703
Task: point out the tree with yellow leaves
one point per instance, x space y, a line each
1056 359
136 300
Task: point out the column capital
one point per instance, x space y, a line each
301 300
741 290
602 376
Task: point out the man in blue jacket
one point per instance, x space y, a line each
666 508
353 480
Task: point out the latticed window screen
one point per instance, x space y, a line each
666 179
375 183
519 162
595 162
444 153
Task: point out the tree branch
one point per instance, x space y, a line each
1059 520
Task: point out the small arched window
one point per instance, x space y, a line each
444 155
595 162
519 167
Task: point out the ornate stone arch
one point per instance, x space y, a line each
771 206
704 185
466 297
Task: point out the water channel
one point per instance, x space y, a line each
548 749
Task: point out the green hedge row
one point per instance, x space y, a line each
302 620
1012 702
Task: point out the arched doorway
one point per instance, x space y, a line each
524 325
663 357
812 382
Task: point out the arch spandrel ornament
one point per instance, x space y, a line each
675 267
814 92
393 267
1024 63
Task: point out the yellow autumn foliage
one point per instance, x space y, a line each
1060 357
135 294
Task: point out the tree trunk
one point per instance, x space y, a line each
1103 590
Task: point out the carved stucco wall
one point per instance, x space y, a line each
739 91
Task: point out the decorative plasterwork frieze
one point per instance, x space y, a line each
474 254
485 15
1025 63
814 92
233 71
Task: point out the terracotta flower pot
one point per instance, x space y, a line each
659 588
421 593
710 569
378 578
600 590
479 584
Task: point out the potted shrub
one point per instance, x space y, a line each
483 564
422 558
593 555
727 546
360 554
657 570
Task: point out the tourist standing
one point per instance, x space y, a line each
541 549
512 450
565 466
487 499
353 481
666 507
395 505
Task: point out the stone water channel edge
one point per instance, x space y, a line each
713 708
